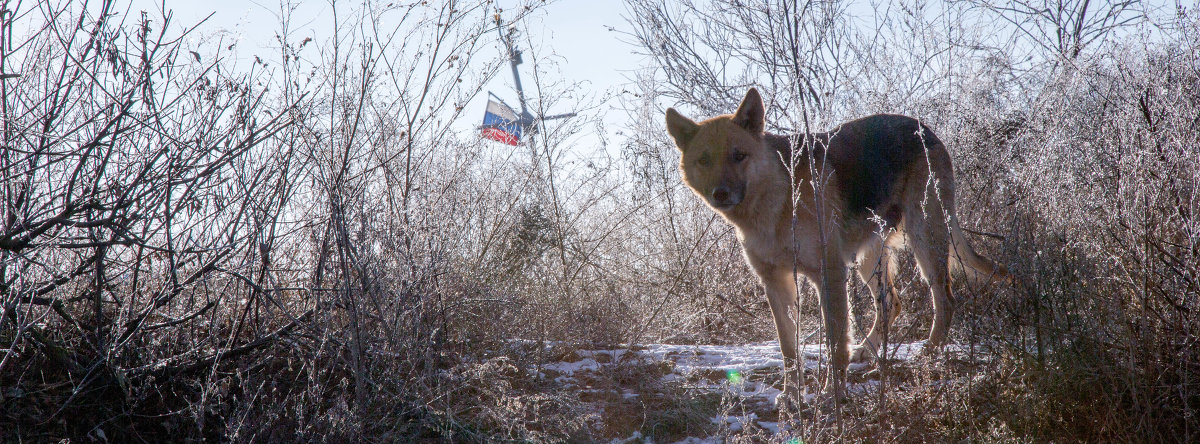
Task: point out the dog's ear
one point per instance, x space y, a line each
682 129
751 113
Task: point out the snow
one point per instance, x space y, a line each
690 358
570 368
762 355
740 370
694 440
771 426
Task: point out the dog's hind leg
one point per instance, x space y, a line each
929 239
877 268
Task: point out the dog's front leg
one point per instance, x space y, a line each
781 295
836 317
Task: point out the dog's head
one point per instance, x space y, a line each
719 154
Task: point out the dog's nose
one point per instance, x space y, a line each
721 195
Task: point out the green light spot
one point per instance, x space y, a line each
733 376
795 441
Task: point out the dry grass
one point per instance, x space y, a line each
309 288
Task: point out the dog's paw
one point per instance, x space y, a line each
862 353
930 351
787 401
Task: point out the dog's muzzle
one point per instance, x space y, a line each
725 198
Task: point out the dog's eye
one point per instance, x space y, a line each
738 157
704 161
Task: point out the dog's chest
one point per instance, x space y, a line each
781 247
767 247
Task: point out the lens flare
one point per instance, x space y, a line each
734 377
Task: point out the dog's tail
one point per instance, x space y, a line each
977 268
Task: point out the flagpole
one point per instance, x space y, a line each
514 59
526 120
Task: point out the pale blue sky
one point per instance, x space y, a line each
575 31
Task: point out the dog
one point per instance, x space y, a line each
816 204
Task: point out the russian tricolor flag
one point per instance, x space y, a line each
500 123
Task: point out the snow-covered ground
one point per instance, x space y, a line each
750 372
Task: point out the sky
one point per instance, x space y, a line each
576 32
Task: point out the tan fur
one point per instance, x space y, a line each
869 170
